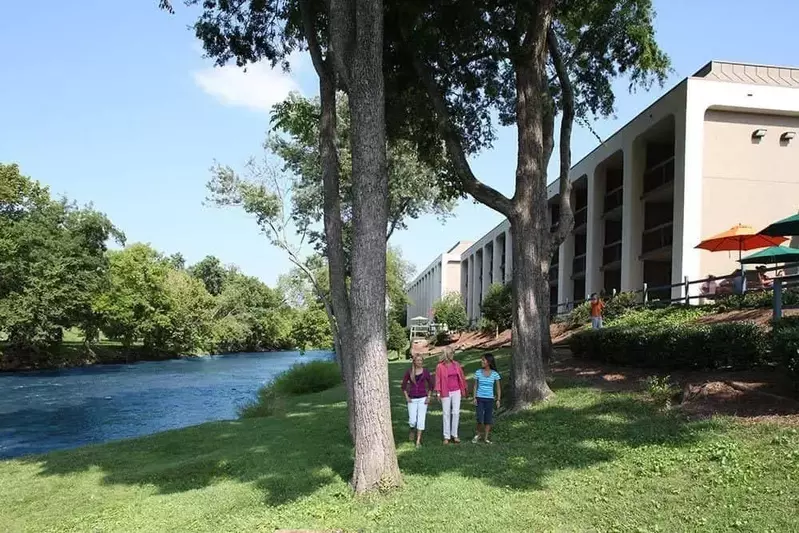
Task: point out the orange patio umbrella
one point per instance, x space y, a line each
741 238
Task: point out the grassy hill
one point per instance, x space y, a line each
586 461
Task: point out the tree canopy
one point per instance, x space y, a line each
56 274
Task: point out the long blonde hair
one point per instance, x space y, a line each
447 355
412 371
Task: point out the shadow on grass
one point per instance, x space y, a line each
292 456
286 457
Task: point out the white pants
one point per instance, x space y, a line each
417 411
596 322
452 413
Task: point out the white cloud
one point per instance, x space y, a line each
258 87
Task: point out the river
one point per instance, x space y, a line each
52 410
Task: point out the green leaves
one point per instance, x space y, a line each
497 306
450 311
52 263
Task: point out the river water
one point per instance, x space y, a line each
51 410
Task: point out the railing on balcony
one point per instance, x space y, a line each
611 253
578 265
613 199
657 238
659 175
580 217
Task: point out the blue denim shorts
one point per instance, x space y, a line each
485 410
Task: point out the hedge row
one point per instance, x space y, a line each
734 345
686 347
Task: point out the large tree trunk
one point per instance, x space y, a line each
530 222
375 454
333 233
528 373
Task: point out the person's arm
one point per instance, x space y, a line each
430 387
405 380
499 390
464 384
474 390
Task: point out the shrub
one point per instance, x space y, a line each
621 304
450 311
785 347
442 338
398 337
736 345
497 306
662 390
302 378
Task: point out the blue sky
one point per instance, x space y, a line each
113 103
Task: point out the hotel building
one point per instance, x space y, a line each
720 148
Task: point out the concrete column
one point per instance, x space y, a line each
688 155
464 266
476 287
497 260
632 225
595 231
486 277
565 283
470 285
508 256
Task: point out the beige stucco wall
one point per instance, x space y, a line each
452 277
745 181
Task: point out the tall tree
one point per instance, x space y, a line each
413 189
52 263
523 62
209 270
249 31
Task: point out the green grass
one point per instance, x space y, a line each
585 461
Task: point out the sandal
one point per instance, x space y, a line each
475 439
446 442
456 440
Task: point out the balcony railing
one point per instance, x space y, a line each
657 238
578 265
659 175
614 199
580 217
611 253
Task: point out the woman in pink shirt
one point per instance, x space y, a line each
450 386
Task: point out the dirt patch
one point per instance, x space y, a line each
762 396
737 399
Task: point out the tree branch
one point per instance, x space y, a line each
397 219
312 39
566 221
480 191
342 36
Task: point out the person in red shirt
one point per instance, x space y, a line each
597 306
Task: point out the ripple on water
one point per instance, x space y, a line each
44 411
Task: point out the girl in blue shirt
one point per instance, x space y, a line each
486 381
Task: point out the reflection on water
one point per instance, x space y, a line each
50 410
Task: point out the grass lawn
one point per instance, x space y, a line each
585 461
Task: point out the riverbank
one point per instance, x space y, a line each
75 355
586 460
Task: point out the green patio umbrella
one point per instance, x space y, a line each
784 227
772 255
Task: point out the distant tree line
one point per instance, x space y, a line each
57 276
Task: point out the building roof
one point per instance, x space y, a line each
749 73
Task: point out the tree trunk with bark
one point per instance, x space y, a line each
359 61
